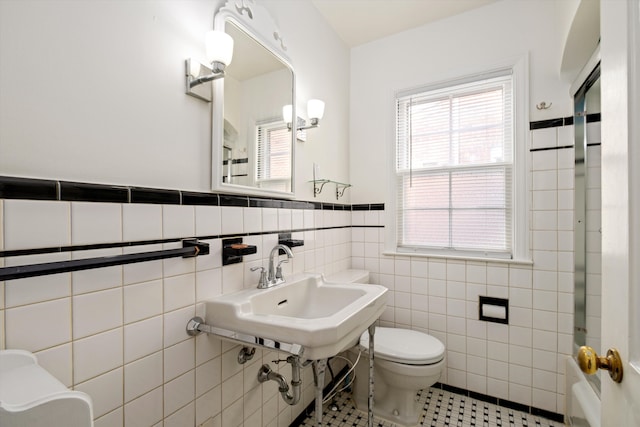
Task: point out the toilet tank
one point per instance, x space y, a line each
349 276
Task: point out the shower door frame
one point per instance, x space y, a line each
580 216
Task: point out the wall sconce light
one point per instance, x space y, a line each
315 111
219 52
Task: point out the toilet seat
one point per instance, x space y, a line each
404 346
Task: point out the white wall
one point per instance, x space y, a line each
322 64
93 91
443 50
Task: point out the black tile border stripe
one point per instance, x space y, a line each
562 121
502 402
51 190
153 196
563 147
27 188
593 118
75 191
550 123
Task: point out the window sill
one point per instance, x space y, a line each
460 257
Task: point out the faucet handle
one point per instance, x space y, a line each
279 269
262 282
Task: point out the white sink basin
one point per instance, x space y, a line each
323 317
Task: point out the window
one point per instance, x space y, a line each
455 167
274 156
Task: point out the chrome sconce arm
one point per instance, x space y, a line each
315 110
194 78
302 124
219 47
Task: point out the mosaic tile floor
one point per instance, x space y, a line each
441 408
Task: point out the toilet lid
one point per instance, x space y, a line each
404 346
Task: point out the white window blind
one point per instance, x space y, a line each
454 167
274 156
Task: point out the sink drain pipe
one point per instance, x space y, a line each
267 374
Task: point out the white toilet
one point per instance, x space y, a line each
405 362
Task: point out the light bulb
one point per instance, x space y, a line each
315 109
219 47
287 113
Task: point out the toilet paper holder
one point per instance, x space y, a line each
493 309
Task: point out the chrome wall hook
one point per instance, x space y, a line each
543 106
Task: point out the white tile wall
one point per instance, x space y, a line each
118 333
518 361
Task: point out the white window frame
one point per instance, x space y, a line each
267 126
520 191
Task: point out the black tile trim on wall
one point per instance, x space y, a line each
562 121
564 147
550 123
43 189
49 190
23 188
80 192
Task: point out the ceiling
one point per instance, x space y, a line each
361 21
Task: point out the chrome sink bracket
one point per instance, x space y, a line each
372 331
196 326
319 368
246 354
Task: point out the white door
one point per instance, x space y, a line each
620 79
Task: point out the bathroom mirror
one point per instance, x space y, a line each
252 148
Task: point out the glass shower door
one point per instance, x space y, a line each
587 218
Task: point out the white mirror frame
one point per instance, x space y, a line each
256 21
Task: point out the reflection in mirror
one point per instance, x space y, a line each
253 149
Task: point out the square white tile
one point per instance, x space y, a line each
95 223
96 312
179 359
208 221
252 219
97 355
32 224
178 221
142 376
175 324
232 220
105 391
146 410
179 291
142 338
142 301
54 325
141 222
179 392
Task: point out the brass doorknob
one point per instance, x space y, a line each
589 362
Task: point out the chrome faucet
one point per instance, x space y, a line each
274 276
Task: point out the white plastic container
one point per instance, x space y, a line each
31 396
